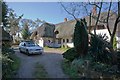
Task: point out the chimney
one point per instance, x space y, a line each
94 10
65 19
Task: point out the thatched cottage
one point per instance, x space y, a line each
45 31
66 29
62 33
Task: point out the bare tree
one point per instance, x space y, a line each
105 19
31 24
116 23
13 21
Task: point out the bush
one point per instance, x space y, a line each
69 70
10 63
118 60
7 62
99 50
70 54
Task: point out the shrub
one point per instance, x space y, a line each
99 50
118 60
7 62
70 54
79 66
68 69
10 63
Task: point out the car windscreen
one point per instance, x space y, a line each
31 44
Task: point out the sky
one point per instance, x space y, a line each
51 12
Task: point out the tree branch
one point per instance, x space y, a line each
108 18
94 4
114 30
97 18
68 11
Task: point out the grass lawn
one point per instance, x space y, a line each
40 72
61 49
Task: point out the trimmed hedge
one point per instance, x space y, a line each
70 54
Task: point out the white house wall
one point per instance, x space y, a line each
102 32
67 44
105 31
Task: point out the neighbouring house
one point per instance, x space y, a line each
65 29
18 37
46 32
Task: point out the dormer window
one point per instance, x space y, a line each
56 32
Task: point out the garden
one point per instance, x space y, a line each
94 59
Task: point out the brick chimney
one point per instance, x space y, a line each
65 19
94 10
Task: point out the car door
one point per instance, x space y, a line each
22 47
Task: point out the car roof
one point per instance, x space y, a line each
27 41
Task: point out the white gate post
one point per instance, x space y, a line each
41 42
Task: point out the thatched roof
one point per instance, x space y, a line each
45 30
66 29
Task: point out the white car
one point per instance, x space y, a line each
29 47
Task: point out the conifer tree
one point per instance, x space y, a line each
81 38
25 33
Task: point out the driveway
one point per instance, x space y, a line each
51 60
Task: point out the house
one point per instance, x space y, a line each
46 32
65 32
65 29
62 33
18 36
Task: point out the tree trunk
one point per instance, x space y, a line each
114 30
98 18
89 22
118 8
108 18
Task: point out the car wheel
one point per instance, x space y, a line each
20 50
41 53
27 52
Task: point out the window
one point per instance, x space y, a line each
67 40
56 32
36 33
22 44
100 27
49 41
